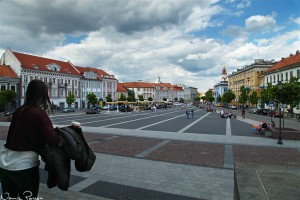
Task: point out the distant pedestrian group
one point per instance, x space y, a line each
189 112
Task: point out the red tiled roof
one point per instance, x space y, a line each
29 61
7 71
285 62
138 85
120 88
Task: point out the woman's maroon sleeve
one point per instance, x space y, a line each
49 134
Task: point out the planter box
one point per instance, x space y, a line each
286 133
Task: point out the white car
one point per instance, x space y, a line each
177 104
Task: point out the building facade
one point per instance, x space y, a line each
283 71
248 76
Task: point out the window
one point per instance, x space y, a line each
46 80
270 79
53 80
61 81
298 73
13 88
267 79
291 74
281 76
274 78
69 82
277 77
54 92
286 76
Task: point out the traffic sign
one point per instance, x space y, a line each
271 104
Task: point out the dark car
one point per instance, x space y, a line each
273 113
71 109
262 111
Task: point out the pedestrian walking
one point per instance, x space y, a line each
187 112
192 113
243 113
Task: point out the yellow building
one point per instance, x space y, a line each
248 76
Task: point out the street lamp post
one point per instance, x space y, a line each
279 85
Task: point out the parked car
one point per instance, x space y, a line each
233 107
274 113
262 111
66 110
252 110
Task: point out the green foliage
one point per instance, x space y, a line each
290 93
175 99
219 99
131 96
108 98
244 95
150 98
209 96
266 93
122 97
92 98
70 99
164 99
197 98
253 98
7 96
228 96
141 97
203 98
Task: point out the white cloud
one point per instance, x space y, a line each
140 39
260 23
295 20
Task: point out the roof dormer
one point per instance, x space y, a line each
53 67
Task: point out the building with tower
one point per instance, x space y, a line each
221 87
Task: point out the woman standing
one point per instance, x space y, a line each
30 127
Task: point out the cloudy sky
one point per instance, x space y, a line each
182 41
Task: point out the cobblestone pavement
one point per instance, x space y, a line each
132 165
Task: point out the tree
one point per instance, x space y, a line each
108 98
197 99
150 98
219 99
70 99
164 99
228 96
141 97
209 96
290 93
7 96
122 97
266 94
131 96
244 96
175 99
253 98
91 97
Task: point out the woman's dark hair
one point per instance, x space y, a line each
37 95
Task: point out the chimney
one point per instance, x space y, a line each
282 58
297 52
291 54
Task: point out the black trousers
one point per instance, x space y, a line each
22 183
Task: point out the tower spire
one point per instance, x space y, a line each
224 74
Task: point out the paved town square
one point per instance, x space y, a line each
165 155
